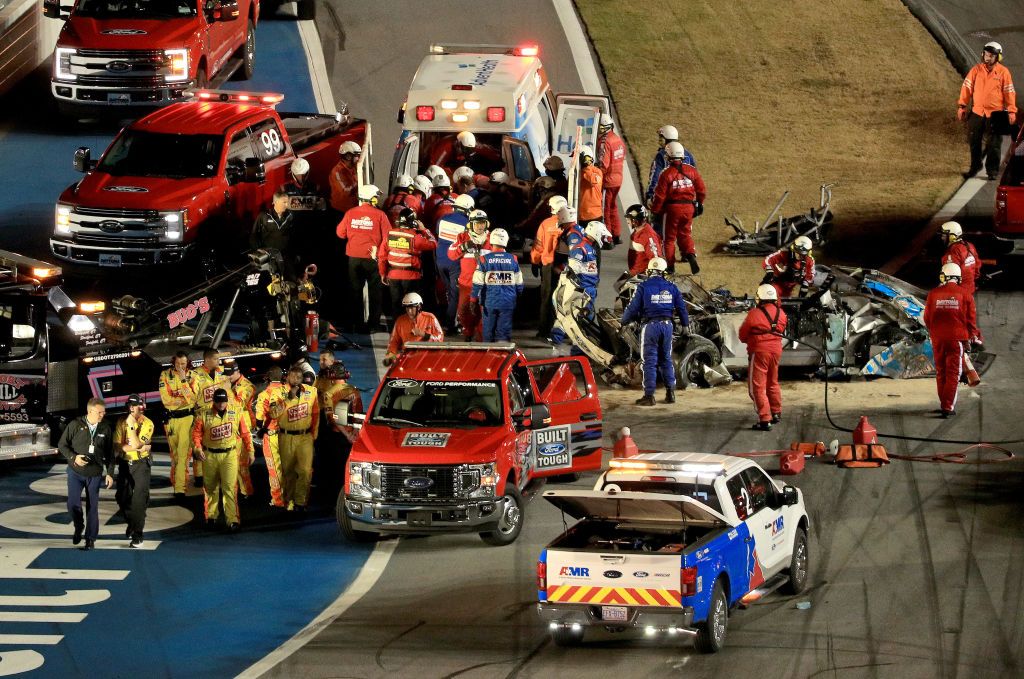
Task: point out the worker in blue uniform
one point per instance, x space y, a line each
497 284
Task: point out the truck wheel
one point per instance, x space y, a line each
689 363
306 9
248 54
711 632
511 522
797 565
345 524
565 636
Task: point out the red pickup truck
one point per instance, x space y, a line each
1009 212
458 433
145 53
193 176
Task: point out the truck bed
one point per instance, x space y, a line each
306 129
611 536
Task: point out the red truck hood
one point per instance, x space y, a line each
98 189
378 443
146 34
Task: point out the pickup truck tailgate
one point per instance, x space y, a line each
631 579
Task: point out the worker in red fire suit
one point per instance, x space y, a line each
644 244
343 179
948 315
364 228
439 203
402 196
789 267
467 249
611 154
964 255
762 332
678 198
401 257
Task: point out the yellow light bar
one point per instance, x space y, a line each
92 307
686 467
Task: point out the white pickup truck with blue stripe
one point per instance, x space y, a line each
670 543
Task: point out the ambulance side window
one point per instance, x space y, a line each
522 165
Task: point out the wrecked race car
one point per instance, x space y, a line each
855 322
775 234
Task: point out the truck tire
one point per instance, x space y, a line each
306 10
511 522
697 352
565 636
711 633
345 524
248 68
797 565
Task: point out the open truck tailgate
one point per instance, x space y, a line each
608 578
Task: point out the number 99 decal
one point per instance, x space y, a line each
271 141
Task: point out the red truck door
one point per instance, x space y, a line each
573 441
221 36
264 143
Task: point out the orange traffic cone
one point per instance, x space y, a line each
973 378
624 445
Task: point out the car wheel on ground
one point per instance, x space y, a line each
248 68
567 636
689 363
797 565
345 524
711 633
511 522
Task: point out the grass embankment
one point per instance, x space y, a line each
787 95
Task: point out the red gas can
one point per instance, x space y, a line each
865 433
624 445
791 462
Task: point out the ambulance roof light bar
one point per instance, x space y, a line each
700 468
233 97
527 50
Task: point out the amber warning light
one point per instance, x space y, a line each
228 96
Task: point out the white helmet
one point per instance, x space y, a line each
566 215
479 216
556 203
434 171
402 181
995 48
675 151
441 181
300 166
422 184
597 232
467 139
766 293
668 133
586 151
606 121
462 172
412 299
952 229
499 237
657 265
464 202
950 270
368 192
349 147
499 178
802 244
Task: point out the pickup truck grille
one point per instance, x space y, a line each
114 241
393 478
134 67
118 213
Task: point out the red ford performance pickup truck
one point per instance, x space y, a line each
458 433
116 53
1009 212
194 176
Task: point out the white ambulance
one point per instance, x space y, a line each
501 94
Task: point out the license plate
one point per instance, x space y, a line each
614 613
419 518
110 260
119 98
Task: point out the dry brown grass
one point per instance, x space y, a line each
784 95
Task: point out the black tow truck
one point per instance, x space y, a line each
56 353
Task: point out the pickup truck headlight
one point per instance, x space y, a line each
62 219
177 65
176 222
478 480
62 63
363 479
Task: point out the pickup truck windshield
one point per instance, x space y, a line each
136 9
427 403
701 492
149 154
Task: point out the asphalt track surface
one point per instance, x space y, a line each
916 567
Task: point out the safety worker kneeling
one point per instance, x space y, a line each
415 325
963 254
762 332
497 284
654 303
297 429
786 268
949 317
215 439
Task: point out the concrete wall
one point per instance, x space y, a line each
26 39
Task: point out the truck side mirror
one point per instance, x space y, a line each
83 159
341 413
53 10
255 170
532 417
401 115
226 10
790 496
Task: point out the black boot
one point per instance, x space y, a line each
694 267
646 401
762 426
776 418
670 396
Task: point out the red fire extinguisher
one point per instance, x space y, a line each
312 330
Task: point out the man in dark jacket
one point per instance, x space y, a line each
273 231
87 445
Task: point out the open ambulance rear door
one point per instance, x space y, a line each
576 123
